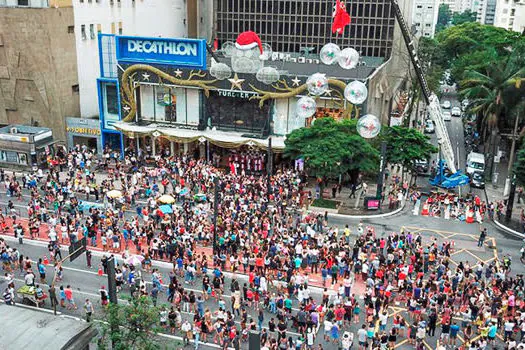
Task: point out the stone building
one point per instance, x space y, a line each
38 65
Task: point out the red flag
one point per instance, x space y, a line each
341 18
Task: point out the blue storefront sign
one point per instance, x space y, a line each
177 52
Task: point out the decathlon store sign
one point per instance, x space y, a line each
177 52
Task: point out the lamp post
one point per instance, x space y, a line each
269 170
381 176
215 212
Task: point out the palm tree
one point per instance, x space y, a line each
492 93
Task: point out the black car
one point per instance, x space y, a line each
477 180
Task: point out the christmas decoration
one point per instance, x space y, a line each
306 107
248 40
317 84
329 53
341 17
236 82
248 53
220 71
228 49
348 58
268 75
368 126
356 92
267 52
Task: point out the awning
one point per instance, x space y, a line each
224 139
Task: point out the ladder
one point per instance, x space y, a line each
433 107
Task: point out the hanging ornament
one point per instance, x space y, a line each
356 92
268 75
368 126
243 65
228 49
306 107
348 58
329 53
317 84
220 71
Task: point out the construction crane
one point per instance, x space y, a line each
434 110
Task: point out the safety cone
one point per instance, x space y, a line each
100 272
46 261
470 216
424 211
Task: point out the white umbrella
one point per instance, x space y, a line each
135 260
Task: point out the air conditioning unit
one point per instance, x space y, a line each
301 60
293 59
13 131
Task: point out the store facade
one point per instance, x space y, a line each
165 99
84 132
25 147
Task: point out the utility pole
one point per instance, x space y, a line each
215 213
112 282
510 175
269 170
381 175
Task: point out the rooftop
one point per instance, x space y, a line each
31 329
23 129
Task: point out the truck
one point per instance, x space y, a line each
475 163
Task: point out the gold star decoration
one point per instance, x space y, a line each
178 73
145 76
236 82
328 92
296 81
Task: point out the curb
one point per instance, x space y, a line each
509 230
373 216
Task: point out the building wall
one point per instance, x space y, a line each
509 14
155 18
424 17
38 71
290 25
25 3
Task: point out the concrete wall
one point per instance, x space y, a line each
154 18
37 67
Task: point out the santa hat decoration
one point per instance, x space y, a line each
248 40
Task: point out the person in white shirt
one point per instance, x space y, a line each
327 329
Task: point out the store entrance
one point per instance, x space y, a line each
89 142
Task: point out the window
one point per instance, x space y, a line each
99 28
111 99
70 29
92 31
428 25
83 31
120 28
419 6
23 2
75 88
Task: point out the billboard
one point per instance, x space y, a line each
190 53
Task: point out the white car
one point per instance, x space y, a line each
447 116
429 127
446 104
456 112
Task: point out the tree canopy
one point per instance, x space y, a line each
444 17
405 145
464 17
131 326
331 148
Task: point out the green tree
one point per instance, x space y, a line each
444 17
130 326
331 148
494 91
406 145
519 166
464 17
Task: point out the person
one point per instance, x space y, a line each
362 336
69 298
8 297
88 258
88 309
53 296
482 236
104 296
186 332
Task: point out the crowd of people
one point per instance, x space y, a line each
260 230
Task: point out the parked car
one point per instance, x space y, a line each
447 116
477 180
456 112
429 127
446 104
421 166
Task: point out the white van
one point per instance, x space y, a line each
475 162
